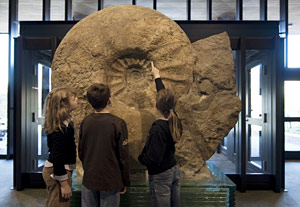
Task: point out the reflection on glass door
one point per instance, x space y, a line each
44 87
254 118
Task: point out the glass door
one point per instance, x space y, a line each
254 118
258 142
40 82
33 78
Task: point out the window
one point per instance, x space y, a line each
292 109
174 11
198 10
3 92
251 10
293 51
292 99
57 10
4 16
292 136
34 14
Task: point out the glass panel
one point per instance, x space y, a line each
57 10
292 100
293 51
216 192
251 10
44 87
30 10
108 3
255 92
4 16
3 92
82 9
145 3
174 11
225 142
255 138
198 10
294 17
292 136
224 10
226 160
273 10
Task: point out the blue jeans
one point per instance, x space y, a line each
94 198
165 188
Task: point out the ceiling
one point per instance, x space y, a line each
176 10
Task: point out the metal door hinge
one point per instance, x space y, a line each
264 165
264 70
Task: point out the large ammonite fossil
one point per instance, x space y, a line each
114 46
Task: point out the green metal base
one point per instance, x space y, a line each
214 193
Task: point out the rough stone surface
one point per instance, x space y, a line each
114 46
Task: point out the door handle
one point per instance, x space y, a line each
265 117
33 117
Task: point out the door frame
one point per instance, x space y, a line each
23 54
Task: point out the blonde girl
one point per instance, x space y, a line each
57 172
158 153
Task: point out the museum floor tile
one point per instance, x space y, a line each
36 197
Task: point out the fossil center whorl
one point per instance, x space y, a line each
135 74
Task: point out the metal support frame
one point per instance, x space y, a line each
278 94
54 44
46 10
292 74
188 9
68 10
155 4
11 127
283 26
208 9
100 4
242 121
239 10
18 120
263 10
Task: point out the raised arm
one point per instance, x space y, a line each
158 82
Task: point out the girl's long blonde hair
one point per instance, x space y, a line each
57 109
165 103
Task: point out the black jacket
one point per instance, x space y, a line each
159 152
62 149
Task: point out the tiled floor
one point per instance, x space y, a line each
36 197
